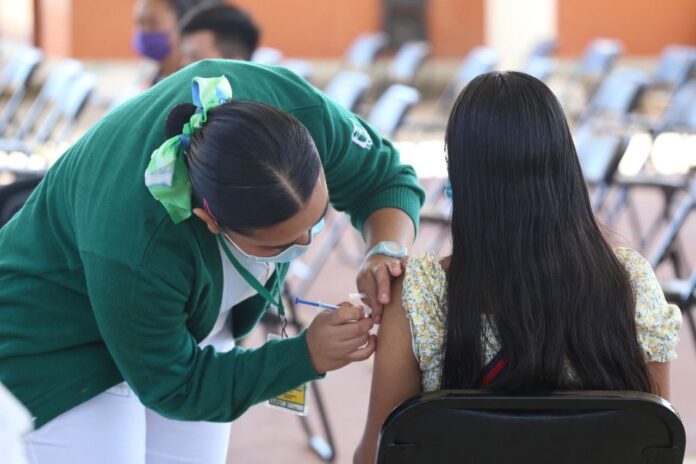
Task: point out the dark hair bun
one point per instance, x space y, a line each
177 117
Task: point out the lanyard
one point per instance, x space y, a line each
254 282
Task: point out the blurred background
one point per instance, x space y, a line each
623 70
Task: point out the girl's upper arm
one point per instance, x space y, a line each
657 321
396 375
659 378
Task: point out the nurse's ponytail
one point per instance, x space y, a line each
253 165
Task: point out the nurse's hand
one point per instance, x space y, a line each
340 337
374 280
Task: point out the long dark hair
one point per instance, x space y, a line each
527 251
253 165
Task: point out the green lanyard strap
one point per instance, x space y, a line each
254 282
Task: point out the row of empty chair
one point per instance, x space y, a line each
51 115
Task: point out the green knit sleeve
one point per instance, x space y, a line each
363 170
143 321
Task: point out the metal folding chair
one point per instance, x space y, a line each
579 427
599 155
348 88
14 80
267 55
322 444
391 108
616 96
364 50
480 60
540 67
680 116
64 113
386 116
598 59
544 48
681 290
55 86
675 66
539 63
408 61
302 68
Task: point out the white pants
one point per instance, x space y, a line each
115 428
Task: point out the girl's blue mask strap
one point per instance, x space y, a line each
448 189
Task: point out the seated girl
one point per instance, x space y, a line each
533 298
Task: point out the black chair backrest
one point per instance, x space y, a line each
13 197
564 427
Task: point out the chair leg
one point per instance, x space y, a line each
620 204
599 197
664 217
635 222
331 243
682 261
677 258
323 446
692 323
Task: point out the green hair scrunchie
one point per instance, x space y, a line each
166 175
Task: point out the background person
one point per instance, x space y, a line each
156 33
212 31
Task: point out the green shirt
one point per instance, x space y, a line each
98 285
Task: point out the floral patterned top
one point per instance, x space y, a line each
424 301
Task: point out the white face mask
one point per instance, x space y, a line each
285 256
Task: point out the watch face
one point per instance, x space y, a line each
393 247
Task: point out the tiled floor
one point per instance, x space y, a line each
265 435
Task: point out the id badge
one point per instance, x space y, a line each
295 400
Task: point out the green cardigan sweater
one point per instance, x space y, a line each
98 285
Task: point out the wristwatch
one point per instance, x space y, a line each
388 248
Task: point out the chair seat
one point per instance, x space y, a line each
433 214
9 145
678 291
656 181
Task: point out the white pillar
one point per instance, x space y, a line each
513 27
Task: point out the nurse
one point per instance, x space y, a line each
165 233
